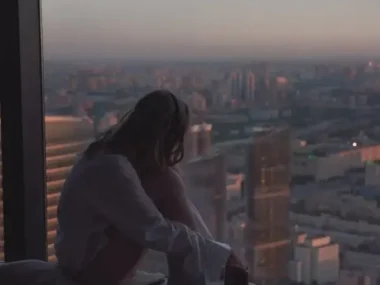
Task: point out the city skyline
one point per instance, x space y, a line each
171 29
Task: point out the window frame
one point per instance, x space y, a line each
22 130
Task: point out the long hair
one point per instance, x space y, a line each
152 133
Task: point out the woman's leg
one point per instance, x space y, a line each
120 257
171 200
118 260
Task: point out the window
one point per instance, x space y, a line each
66 137
22 140
1 210
246 63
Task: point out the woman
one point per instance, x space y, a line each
119 258
103 199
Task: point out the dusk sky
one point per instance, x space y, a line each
209 28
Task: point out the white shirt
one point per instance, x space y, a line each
106 190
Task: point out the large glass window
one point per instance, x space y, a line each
1 208
22 139
247 69
66 136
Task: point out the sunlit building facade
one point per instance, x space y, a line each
198 141
65 138
267 194
315 260
242 85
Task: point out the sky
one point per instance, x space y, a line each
164 29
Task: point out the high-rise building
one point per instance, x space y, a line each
86 80
267 195
65 137
355 276
234 84
249 86
315 260
197 102
321 70
262 70
198 141
191 144
204 138
264 92
205 179
242 85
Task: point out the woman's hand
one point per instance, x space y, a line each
234 261
235 272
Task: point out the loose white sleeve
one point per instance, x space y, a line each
200 223
115 191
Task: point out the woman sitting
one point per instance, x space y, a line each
107 220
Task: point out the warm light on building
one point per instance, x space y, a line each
198 141
267 197
315 259
66 137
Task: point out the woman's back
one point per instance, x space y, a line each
82 229
77 223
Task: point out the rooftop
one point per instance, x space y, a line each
201 127
51 119
327 149
207 156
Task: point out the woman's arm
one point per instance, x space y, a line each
177 189
172 202
170 198
117 194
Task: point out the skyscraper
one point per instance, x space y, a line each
204 138
267 195
262 70
248 86
206 182
198 141
242 85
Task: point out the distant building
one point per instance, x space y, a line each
109 119
242 86
281 81
364 265
86 80
204 138
197 102
316 259
268 197
235 234
354 277
262 70
321 70
372 174
235 183
325 161
66 137
198 141
205 179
